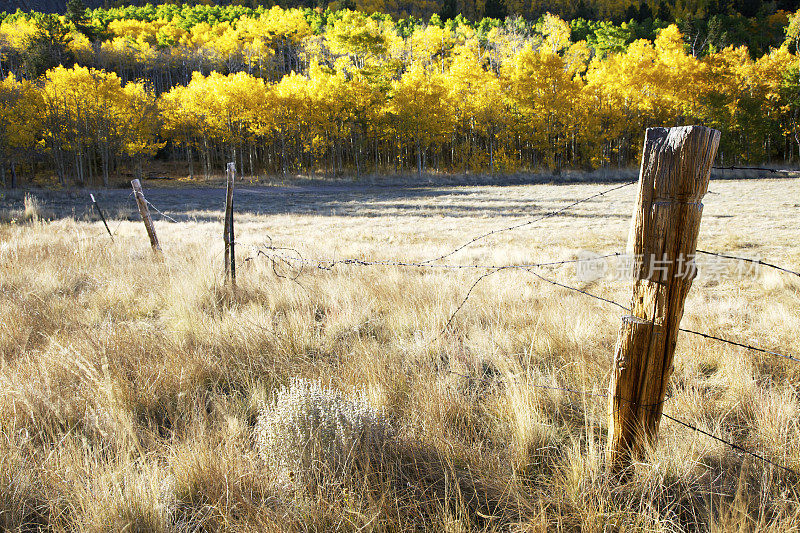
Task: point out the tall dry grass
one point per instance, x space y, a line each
133 385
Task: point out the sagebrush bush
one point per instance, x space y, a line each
310 432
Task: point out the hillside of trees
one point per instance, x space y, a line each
88 94
475 10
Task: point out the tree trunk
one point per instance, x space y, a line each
419 159
190 160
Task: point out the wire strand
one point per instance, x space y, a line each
773 170
685 330
328 264
159 211
747 259
729 443
687 425
529 222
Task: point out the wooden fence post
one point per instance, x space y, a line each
676 166
145 214
227 233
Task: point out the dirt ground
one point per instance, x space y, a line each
182 202
200 204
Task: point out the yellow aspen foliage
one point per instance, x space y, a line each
81 47
793 29
216 107
650 84
773 71
728 83
363 40
20 121
479 107
544 92
170 35
778 74
422 109
137 30
138 120
432 45
556 33
88 114
677 73
179 121
303 89
16 35
284 25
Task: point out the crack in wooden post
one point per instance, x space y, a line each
676 166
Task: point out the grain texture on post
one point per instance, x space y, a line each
676 166
144 212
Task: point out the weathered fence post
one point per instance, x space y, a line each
676 166
145 214
227 233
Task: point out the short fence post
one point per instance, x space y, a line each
676 166
102 217
227 233
145 214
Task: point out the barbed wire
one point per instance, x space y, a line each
326 264
764 169
749 260
748 346
581 291
466 297
685 330
276 259
148 202
652 406
529 222
329 264
729 443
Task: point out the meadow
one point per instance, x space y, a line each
142 393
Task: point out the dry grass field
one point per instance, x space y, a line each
142 394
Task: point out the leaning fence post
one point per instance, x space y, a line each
227 233
102 217
145 214
676 166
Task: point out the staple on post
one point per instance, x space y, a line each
144 212
676 166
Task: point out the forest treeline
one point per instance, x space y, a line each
733 16
283 91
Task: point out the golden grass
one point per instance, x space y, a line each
132 384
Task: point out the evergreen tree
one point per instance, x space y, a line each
47 48
645 13
76 13
495 9
449 10
664 14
